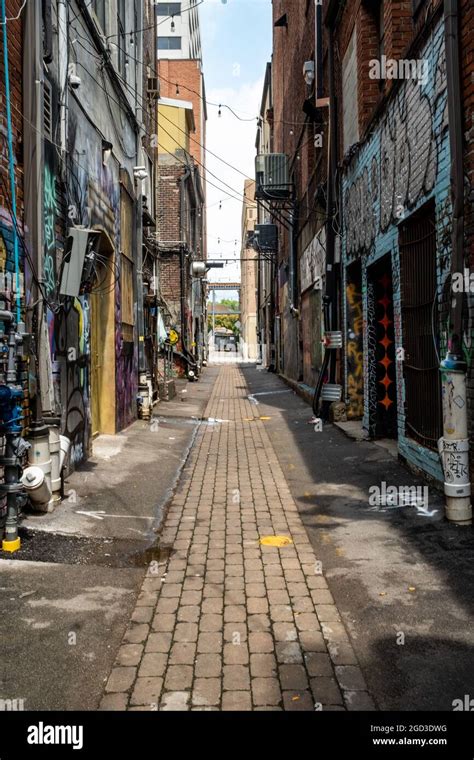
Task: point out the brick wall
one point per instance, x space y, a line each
168 201
170 285
171 235
183 80
292 46
402 30
187 75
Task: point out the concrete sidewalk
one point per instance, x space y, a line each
68 594
222 621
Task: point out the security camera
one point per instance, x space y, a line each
75 81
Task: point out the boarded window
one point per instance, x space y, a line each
349 94
127 270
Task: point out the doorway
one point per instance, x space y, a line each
382 379
102 331
420 325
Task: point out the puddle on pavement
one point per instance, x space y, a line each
40 546
155 553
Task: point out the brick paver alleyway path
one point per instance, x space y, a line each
224 622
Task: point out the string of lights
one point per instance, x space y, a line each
236 194
178 85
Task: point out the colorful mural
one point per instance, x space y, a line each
49 222
71 348
93 200
404 163
354 351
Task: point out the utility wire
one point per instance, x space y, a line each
236 192
14 18
157 74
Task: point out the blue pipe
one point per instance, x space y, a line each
11 164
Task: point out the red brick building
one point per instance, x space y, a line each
183 78
378 79
181 211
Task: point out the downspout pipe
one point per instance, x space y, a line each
454 444
330 298
11 165
455 115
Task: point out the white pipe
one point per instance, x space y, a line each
454 445
65 446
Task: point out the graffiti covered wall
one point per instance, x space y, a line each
403 164
93 200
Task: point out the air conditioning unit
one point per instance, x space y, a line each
271 173
153 87
267 237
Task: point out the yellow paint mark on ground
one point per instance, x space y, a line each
340 551
265 418
276 541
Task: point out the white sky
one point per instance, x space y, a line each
236 41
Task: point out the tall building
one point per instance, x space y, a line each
267 312
372 294
178 31
182 119
180 236
93 344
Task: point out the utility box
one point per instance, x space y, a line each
79 256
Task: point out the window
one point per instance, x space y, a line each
127 269
169 43
349 95
122 41
98 6
168 9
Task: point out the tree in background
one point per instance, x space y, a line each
234 305
229 321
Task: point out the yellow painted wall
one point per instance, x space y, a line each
171 135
